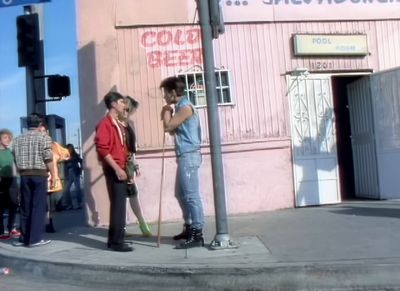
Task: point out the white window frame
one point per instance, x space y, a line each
196 90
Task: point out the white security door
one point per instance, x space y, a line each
315 163
385 88
363 138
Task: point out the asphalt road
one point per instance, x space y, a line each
17 283
14 283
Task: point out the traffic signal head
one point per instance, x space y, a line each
28 40
58 86
216 18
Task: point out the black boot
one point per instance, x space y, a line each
195 239
50 226
184 234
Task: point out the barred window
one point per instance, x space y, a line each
195 87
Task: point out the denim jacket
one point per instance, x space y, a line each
188 134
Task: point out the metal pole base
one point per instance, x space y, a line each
222 242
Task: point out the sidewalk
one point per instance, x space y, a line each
350 246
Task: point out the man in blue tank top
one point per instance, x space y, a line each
184 123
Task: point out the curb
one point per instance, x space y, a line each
351 275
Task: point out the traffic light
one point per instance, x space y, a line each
28 40
216 18
58 86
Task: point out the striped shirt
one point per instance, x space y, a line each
32 150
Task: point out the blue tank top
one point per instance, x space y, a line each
188 134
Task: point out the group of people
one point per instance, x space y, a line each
116 147
35 158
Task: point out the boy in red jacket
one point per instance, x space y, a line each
110 143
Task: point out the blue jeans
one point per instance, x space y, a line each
72 178
188 189
33 208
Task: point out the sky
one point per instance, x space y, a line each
60 46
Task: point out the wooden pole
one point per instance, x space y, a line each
161 191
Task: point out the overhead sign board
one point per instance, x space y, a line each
330 45
6 3
129 13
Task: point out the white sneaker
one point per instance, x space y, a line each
18 243
40 243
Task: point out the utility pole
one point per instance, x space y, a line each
210 29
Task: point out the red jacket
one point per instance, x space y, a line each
109 140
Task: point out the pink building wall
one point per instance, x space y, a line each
118 49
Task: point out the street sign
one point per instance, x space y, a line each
6 3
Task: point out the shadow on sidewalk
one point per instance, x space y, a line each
368 211
71 227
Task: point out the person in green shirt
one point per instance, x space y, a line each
7 179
